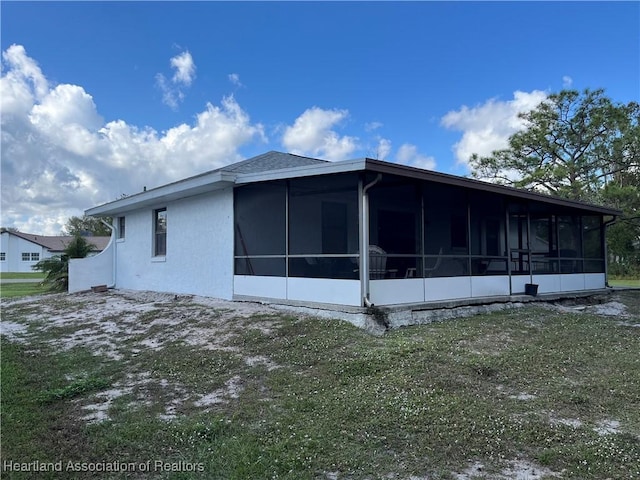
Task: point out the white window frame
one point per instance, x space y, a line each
121 228
157 252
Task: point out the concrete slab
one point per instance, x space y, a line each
376 320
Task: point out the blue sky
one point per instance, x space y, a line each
101 99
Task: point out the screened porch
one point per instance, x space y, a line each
300 239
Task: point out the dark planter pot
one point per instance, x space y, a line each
531 289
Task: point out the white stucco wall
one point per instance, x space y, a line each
199 257
92 271
13 248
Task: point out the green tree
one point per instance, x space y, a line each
572 145
84 225
581 146
56 268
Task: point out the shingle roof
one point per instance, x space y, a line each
59 243
271 161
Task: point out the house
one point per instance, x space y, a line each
19 252
292 228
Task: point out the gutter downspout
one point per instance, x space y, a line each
115 244
364 247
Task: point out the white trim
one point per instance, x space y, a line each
547 283
324 290
489 285
189 187
594 281
446 288
258 286
343 166
572 282
397 291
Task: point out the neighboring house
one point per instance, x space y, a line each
292 228
19 252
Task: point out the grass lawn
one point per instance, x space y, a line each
11 290
17 275
202 392
625 282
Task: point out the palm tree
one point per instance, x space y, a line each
56 268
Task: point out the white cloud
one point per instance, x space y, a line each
22 82
408 155
567 81
171 96
66 105
59 157
383 149
312 134
487 127
185 68
371 126
234 78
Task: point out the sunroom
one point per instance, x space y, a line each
427 237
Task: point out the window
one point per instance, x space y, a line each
35 257
3 256
26 257
121 227
160 232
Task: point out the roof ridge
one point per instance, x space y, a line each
46 241
271 160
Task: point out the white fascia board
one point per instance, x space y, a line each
304 171
189 187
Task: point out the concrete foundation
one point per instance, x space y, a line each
377 320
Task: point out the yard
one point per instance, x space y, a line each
21 284
146 385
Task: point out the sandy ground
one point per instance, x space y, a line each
121 324
104 320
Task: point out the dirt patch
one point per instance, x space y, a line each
604 305
513 470
232 389
523 396
108 323
122 325
491 344
607 427
13 331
